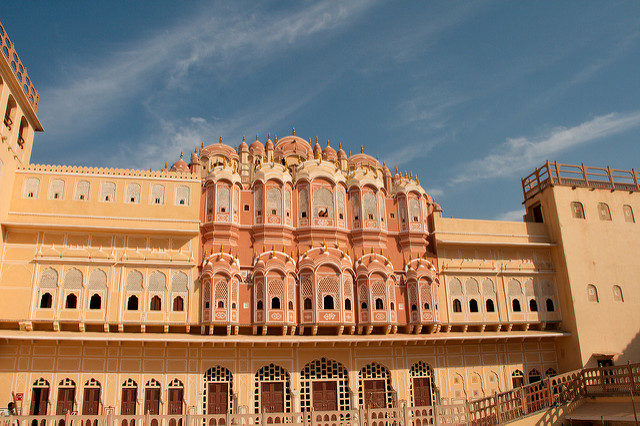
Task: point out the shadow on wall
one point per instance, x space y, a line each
630 354
554 415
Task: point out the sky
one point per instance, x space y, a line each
470 96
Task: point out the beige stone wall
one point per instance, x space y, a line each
28 253
602 253
464 370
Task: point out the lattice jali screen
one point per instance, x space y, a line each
234 291
272 373
221 292
328 286
291 290
275 288
66 383
217 374
375 371
348 286
413 295
425 295
324 369
378 290
422 369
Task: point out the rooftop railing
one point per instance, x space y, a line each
555 173
13 60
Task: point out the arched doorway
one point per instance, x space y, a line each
272 390
218 399
324 386
39 399
91 401
422 384
375 389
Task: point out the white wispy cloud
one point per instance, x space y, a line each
518 154
512 215
223 41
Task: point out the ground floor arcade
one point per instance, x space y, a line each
94 376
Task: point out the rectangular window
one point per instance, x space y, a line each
577 210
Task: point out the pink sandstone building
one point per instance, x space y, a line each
282 276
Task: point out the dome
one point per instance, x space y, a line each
180 166
364 159
256 146
219 149
292 145
269 144
329 153
194 157
317 151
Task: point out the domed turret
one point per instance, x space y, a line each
180 165
256 147
329 153
269 144
194 157
317 151
243 146
341 154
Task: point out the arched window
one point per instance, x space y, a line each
157 194
71 302
550 307
31 188
363 305
617 294
322 203
592 293
457 306
533 305
534 376
577 210
517 379
347 304
178 304
627 212
182 195
46 300
490 306
290 305
133 193
22 135
10 112
307 303
379 303
82 190
426 306
95 302
515 305
550 372
156 303
275 303
132 303
414 307
220 304
604 212
327 302
259 305
473 305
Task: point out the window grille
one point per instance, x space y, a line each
31 187
217 374
324 369
422 369
157 281
328 286
56 189
157 194
272 373
133 193
134 281
375 371
182 195
82 190
604 212
108 191
66 383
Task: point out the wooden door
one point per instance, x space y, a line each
217 398
422 391
39 401
152 401
325 396
375 394
175 400
91 401
128 404
272 397
66 398
517 381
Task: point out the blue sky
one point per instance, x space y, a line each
471 96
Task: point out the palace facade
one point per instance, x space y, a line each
282 276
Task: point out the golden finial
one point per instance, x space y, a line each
202 146
316 140
220 140
181 155
242 138
269 135
150 169
396 169
349 153
221 248
327 142
276 137
257 136
377 158
339 145
165 165
410 175
361 149
384 164
235 147
293 130
273 247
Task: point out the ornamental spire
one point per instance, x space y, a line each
220 140
361 149
293 130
